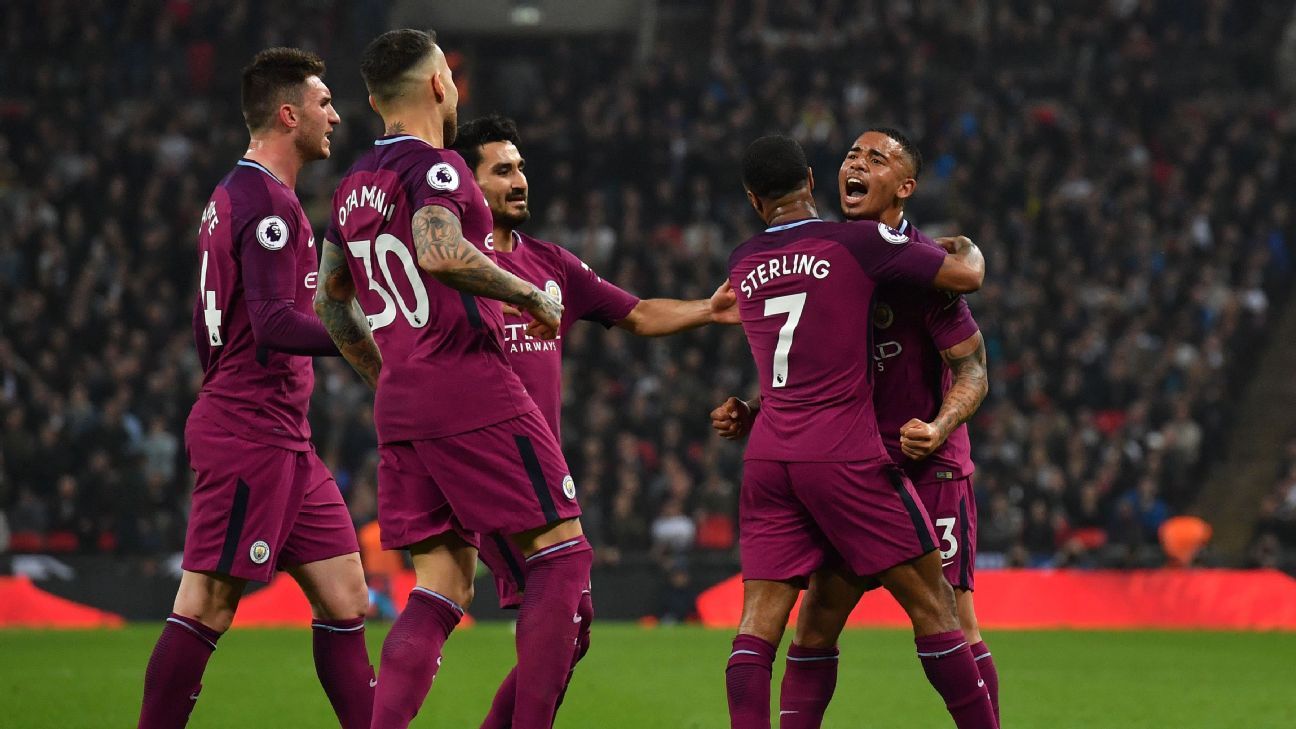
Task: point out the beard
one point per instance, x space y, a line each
450 128
512 219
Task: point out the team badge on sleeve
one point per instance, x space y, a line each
272 233
260 552
443 177
551 288
569 487
891 234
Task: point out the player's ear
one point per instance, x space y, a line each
288 116
907 188
374 105
438 88
810 178
756 204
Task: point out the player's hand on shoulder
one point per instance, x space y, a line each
733 419
546 315
919 439
724 305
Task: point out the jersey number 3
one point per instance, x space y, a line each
416 315
792 305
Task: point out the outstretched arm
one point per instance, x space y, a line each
967 360
455 262
337 308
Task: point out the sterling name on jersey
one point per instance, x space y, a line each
253 232
804 294
444 368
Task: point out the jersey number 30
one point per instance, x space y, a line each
792 305
416 315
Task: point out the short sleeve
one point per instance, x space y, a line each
267 251
888 255
590 297
948 319
441 182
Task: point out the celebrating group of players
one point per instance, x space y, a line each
455 318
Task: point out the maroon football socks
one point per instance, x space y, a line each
747 682
947 660
342 664
174 675
808 685
411 655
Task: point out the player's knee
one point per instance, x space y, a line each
346 603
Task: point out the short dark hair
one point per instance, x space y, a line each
774 166
905 143
274 76
389 56
487 129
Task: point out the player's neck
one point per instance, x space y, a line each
426 128
502 240
791 211
892 217
279 156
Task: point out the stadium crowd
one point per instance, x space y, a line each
1125 165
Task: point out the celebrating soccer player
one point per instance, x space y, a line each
490 147
410 293
262 498
817 480
930 360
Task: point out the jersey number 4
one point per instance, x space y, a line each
211 315
366 251
792 305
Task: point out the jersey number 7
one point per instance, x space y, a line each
792 305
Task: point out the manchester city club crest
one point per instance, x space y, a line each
569 487
441 176
272 233
883 316
551 288
260 552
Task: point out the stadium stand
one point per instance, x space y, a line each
1138 228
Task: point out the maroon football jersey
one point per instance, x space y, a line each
584 295
254 243
444 368
804 293
911 327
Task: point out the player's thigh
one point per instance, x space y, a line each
779 540
833 593
867 510
767 605
446 565
967 615
920 588
245 500
952 508
334 586
509 477
208 597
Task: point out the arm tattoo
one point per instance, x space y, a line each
452 260
338 310
971 384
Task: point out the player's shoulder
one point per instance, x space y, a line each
254 193
549 255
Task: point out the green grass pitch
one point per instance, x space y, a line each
674 678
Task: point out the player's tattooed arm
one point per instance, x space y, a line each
452 260
337 308
967 360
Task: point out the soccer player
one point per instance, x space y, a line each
490 147
817 481
410 294
262 498
930 360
